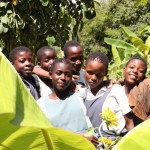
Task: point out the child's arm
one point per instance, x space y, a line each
129 121
40 72
92 139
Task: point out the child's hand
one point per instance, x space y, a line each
92 139
75 77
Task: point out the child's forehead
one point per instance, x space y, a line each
62 66
48 52
137 62
95 61
23 54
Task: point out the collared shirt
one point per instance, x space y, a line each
116 100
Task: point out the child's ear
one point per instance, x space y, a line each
39 64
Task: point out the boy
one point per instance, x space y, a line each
45 57
73 51
22 60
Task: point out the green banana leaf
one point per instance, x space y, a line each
148 41
129 48
136 139
23 125
138 42
116 57
16 102
128 32
145 30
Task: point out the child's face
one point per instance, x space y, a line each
75 56
48 58
61 76
134 72
94 73
24 63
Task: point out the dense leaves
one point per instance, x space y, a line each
30 22
108 21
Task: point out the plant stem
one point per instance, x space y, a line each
99 129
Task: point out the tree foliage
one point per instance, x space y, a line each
34 23
122 51
108 21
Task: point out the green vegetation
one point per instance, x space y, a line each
36 23
135 15
42 22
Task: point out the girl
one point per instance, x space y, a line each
97 97
63 108
137 88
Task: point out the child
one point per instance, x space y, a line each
22 59
136 89
73 51
134 73
97 97
64 109
45 57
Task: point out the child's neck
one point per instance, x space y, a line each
128 88
62 95
96 89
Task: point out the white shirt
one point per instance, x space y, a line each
116 100
44 89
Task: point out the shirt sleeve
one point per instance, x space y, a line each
118 103
122 100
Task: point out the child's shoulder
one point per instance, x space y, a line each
82 92
117 86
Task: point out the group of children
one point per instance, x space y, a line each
72 98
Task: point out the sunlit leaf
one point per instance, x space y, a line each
136 139
121 44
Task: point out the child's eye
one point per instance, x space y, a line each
46 60
59 73
74 59
131 67
22 60
99 75
89 72
68 74
141 71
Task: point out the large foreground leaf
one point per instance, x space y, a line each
137 139
23 126
15 100
25 138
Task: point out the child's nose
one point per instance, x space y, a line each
94 77
28 63
62 76
135 70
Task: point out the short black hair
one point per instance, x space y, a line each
42 50
61 60
70 44
101 57
139 58
16 50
